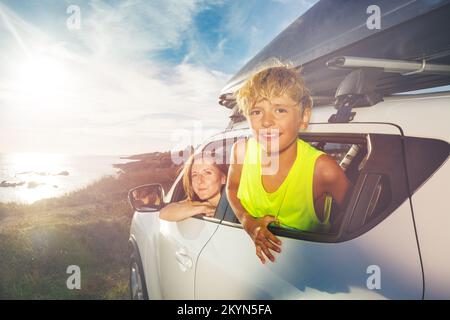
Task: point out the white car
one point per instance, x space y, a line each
392 240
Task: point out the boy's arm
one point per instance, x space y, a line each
332 180
256 228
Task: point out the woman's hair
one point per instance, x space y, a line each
271 82
187 177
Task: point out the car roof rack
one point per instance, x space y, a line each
359 87
412 31
363 86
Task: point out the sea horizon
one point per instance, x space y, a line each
27 177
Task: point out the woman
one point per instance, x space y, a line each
203 180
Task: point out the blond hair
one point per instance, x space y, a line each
271 82
187 175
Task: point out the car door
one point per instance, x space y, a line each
371 251
179 243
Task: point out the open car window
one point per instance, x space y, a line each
220 150
376 166
348 153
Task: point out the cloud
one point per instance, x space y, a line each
136 27
235 31
109 90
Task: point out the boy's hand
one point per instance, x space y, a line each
262 237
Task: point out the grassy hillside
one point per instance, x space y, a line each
88 228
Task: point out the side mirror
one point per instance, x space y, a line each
147 198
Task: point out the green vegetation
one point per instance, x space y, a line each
88 228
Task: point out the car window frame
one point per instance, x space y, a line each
179 189
338 236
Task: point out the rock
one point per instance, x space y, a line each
34 184
25 172
6 184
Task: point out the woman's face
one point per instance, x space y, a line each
207 179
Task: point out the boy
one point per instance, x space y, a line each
274 175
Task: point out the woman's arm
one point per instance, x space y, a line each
256 228
184 209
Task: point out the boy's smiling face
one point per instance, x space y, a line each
276 123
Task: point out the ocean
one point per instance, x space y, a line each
29 177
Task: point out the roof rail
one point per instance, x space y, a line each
404 67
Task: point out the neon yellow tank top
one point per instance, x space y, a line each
293 202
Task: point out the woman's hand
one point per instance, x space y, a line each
262 237
208 210
204 207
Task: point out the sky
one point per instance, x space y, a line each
125 77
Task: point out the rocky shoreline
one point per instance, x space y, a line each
30 184
140 162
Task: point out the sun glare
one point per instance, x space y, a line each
37 162
40 77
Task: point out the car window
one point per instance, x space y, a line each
376 167
178 192
220 150
346 153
